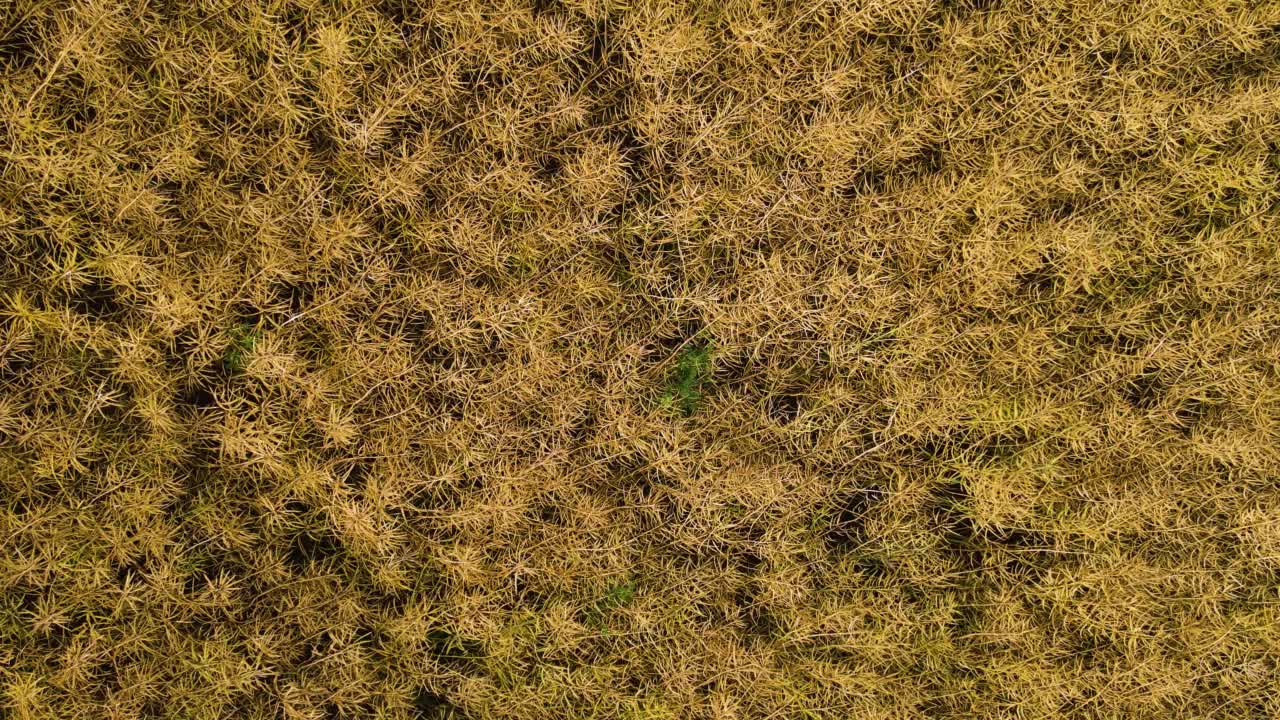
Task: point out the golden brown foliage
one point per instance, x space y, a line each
581 359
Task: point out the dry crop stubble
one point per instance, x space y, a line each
645 360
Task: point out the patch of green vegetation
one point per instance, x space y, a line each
243 339
618 595
684 388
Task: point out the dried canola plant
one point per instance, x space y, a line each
647 360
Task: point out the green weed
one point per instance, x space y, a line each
684 387
243 339
618 595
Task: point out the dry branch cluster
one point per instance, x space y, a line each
580 359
